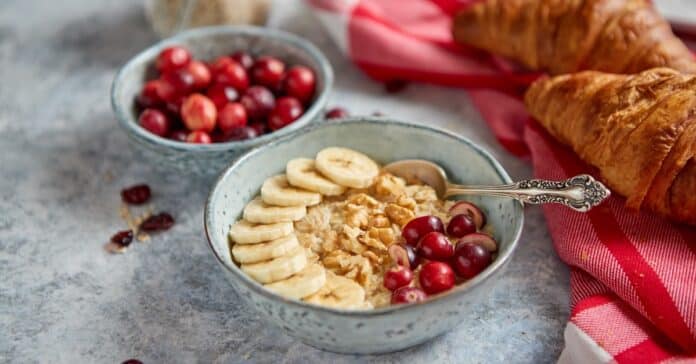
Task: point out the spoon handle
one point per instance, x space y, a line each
580 193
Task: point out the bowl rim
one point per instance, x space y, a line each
457 291
130 124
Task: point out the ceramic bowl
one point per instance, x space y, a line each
379 330
210 43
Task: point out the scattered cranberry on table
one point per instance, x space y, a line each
336 113
158 222
230 98
123 238
136 195
132 361
408 295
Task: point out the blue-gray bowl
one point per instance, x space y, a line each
209 43
367 331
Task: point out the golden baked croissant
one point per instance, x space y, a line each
638 130
564 36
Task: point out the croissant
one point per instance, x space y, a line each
564 36
638 130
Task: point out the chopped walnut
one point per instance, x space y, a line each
350 234
398 214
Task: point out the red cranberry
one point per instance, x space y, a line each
258 101
418 227
268 71
172 58
299 82
220 62
397 277
403 254
287 110
336 113
161 221
179 135
460 225
471 210
201 74
243 58
199 137
470 259
435 246
132 361
173 106
408 295
436 277
156 92
123 238
220 95
241 133
232 116
199 113
486 241
260 128
154 121
136 195
182 80
232 74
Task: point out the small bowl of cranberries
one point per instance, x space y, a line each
201 98
443 271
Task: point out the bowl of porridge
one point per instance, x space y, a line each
347 257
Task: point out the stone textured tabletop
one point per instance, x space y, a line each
63 160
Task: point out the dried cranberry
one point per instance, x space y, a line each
123 238
336 113
158 222
136 195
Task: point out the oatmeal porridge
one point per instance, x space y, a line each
340 232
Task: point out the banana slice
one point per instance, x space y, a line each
304 283
347 167
339 292
253 253
277 269
244 232
301 172
259 212
277 191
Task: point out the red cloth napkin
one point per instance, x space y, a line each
633 275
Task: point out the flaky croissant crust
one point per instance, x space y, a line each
638 130
563 36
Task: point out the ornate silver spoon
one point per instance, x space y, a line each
580 193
